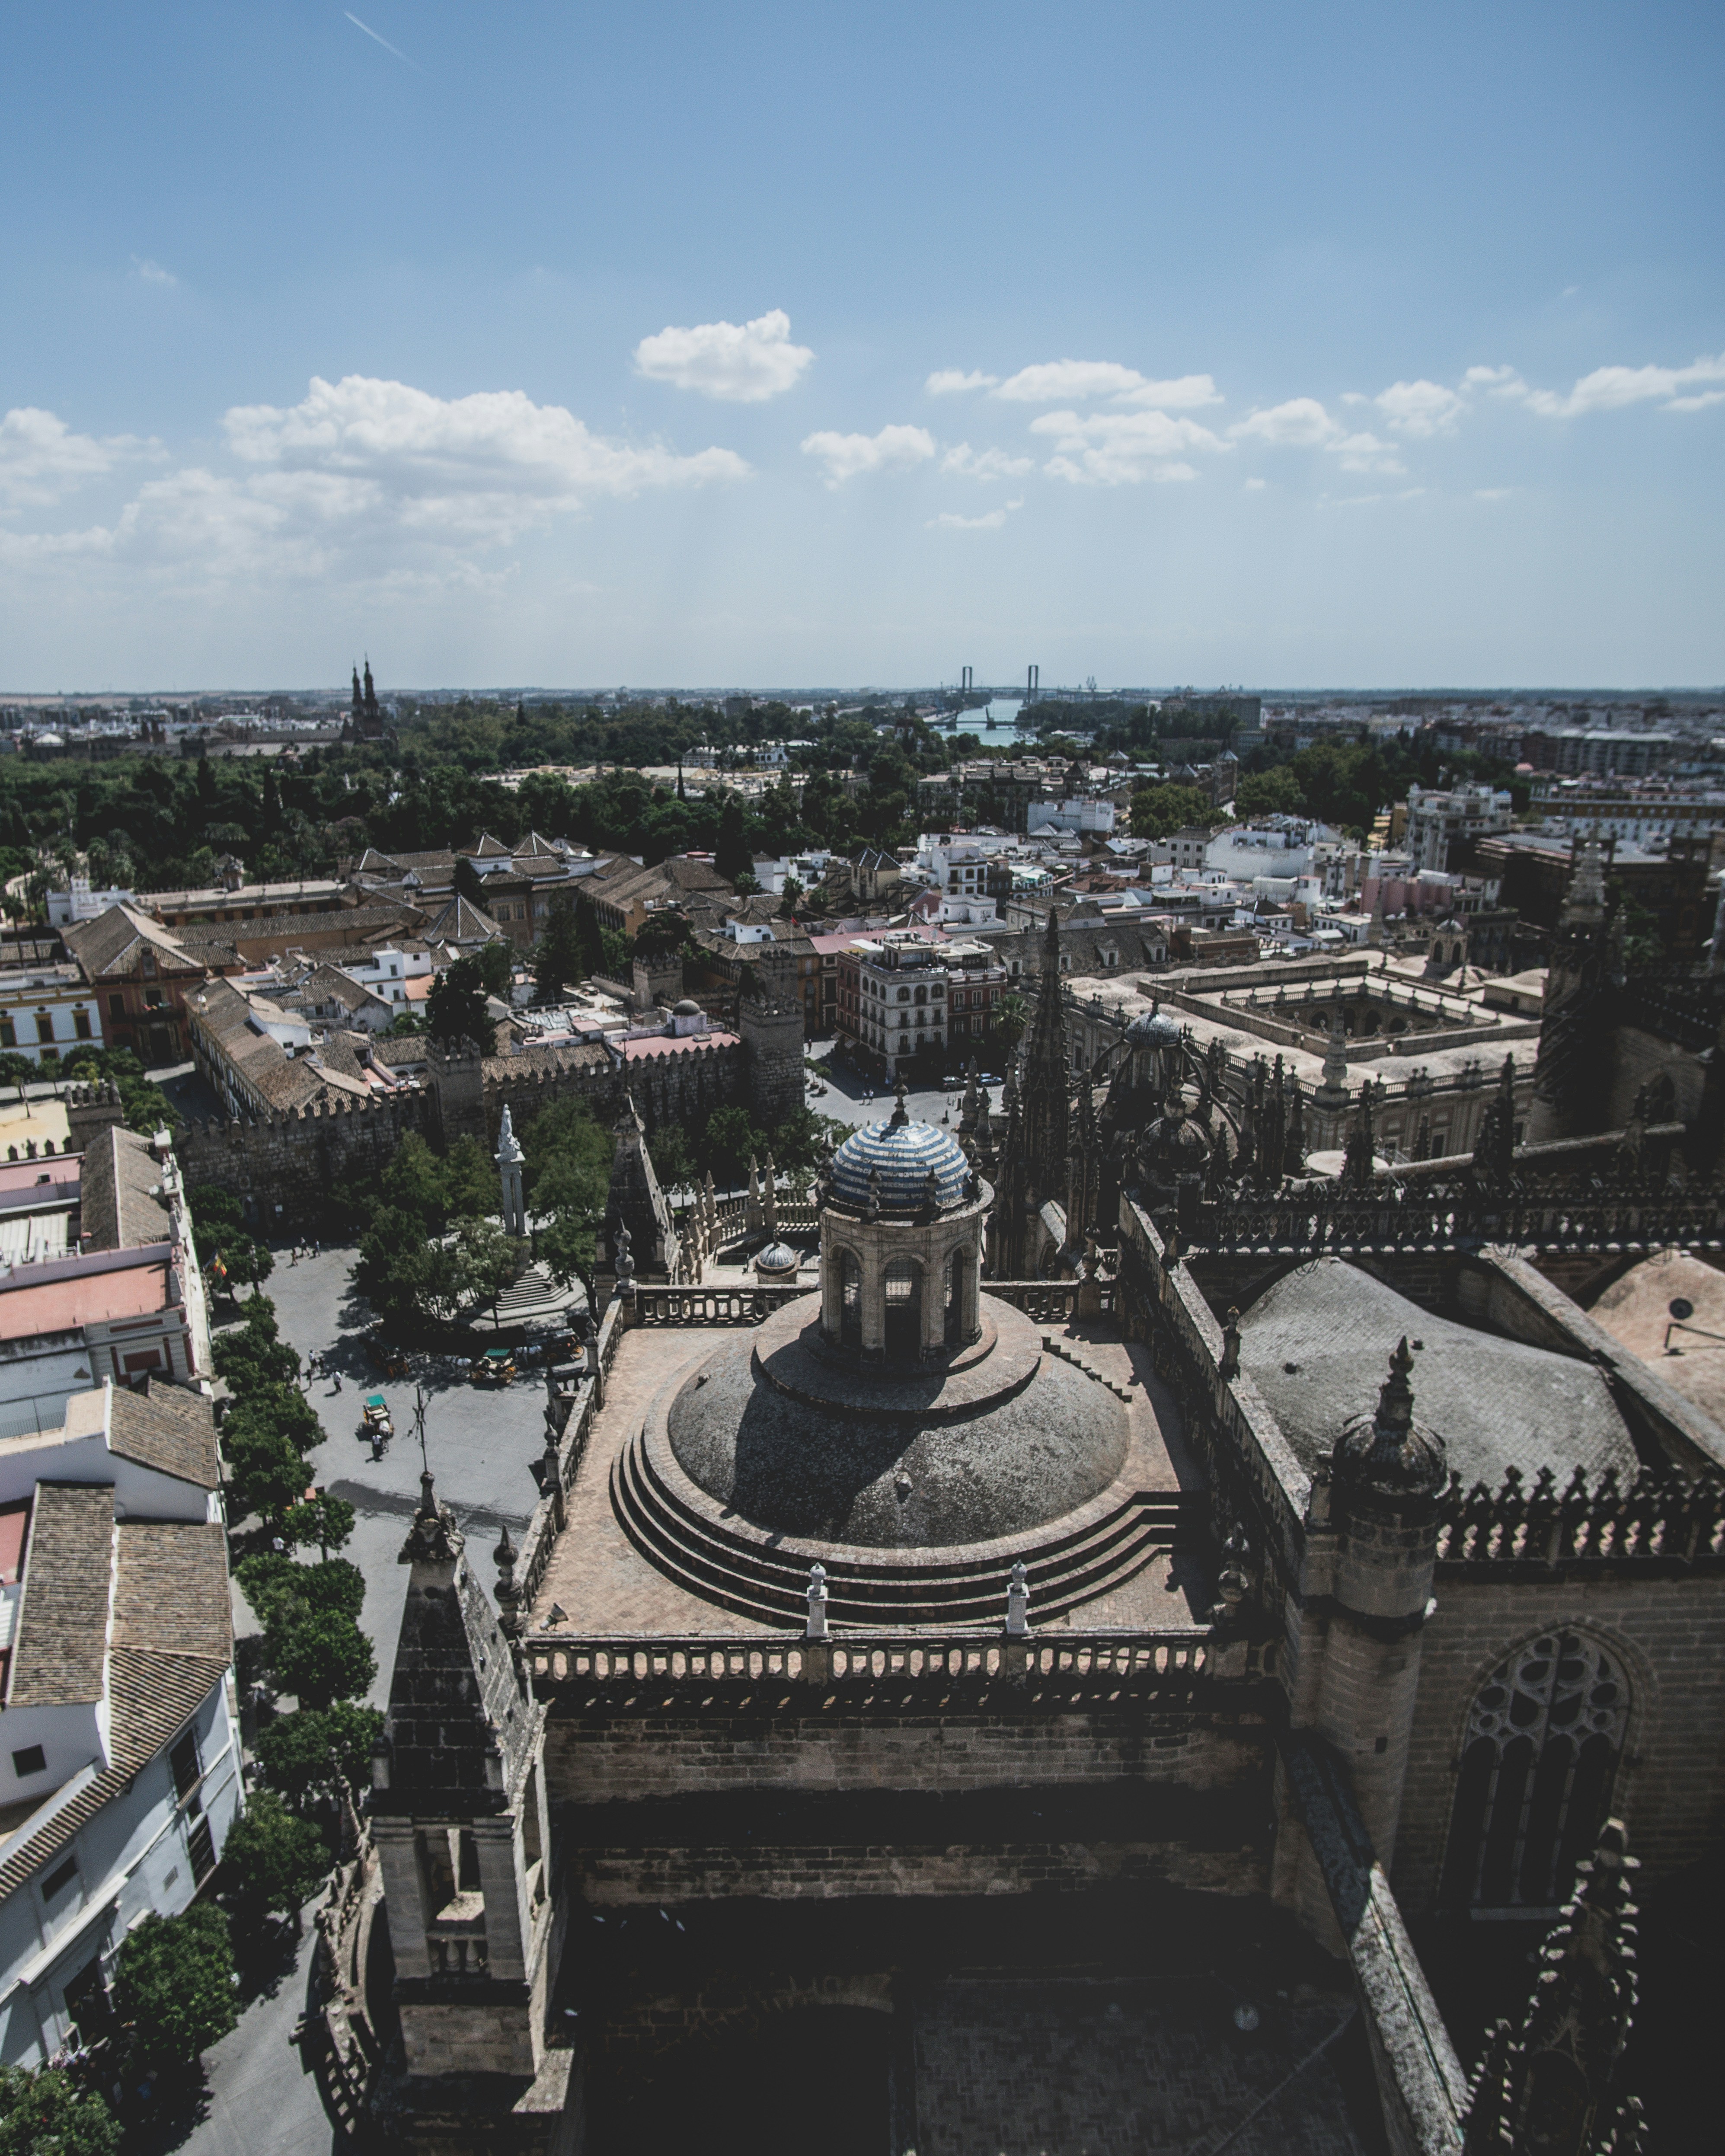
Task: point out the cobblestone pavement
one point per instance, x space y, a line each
1058 2069
479 1442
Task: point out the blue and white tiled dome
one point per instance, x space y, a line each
1153 1028
904 1153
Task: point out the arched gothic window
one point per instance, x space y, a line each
1542 1747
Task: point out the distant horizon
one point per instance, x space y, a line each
997 692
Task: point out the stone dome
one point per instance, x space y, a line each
902 1153
1153 1028
777 1258
687 1008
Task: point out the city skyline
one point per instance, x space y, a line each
562 349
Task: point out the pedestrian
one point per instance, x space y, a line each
317 1247
338 1381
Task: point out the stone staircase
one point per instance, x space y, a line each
1067 1352
755 1579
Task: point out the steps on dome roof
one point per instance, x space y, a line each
866 1588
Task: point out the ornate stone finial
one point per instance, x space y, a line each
1017 1601
1388 1452
871 1210
434 1537
901 1113
817 1594
931 1192
624 1265
509 1145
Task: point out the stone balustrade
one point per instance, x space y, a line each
1146 1660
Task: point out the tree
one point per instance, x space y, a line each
275 1862
304 1754
417 1182
174 1982
237 1261
469 883
568 1178
266 1471
791 898
668 1148
731 856
1269 793
252 1355
455 1010
558 957
47 2114
319 1655
1012 1019
729 1141
489 1259
663 934
471 1176
324 1520
1159 811
496 965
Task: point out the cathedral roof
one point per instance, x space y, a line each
903 1154
1315 1344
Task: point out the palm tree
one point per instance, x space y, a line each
1012 1017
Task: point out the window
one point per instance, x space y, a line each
44 1025
117 1005
32 1760
200 1848
59 1879
1542 1745
80 1023
183 1760
9 1034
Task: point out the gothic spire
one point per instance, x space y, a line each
1046 1115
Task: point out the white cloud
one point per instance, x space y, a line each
41 459
1072 381
1123 449
1365 453
1255 485
151 273
952 381
1492 493
1300 424
948 521
1421 409
743 366
377 478
478 467
1609 388
848 456
1185 394
984 464
1499 381
1067 380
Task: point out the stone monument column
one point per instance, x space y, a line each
509 1156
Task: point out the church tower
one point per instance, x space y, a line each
463 1836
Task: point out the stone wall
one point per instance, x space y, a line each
281 1169
1668 1635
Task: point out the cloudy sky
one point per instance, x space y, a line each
705 344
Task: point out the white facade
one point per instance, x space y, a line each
388 973
1279 846
1467 812
81 903
47 1011
1095 817
118 1783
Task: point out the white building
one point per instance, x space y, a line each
119 1745
47 1010
1277 846
1094 817
81 903
1466 812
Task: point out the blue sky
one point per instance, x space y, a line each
605 344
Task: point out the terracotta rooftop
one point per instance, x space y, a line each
167 1427
63 1622
121 1205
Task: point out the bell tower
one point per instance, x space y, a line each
462 1832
